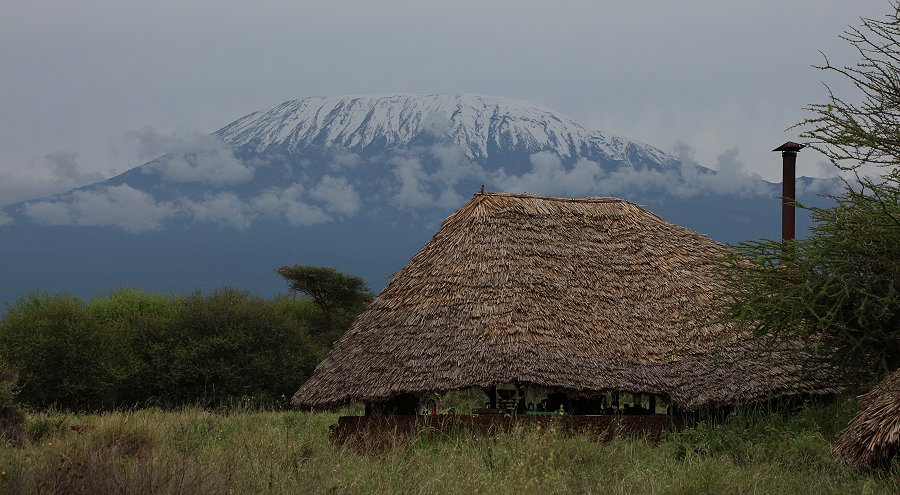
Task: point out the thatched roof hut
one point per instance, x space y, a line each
579 295
873 436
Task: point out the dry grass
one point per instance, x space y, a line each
585 295
196 451
873 436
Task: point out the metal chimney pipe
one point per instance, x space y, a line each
789 152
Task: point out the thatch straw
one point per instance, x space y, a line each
584 295
873 436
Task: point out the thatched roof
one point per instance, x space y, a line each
584 295
873 435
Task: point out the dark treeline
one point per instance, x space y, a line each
131 348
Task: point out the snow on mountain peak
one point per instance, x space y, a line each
476 123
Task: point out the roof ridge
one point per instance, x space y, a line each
586 199
559 199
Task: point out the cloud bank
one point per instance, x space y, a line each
5 219
415 178
548 175
223 209
190 157
120 206
428 177
288 203
338 196
136 211
58 172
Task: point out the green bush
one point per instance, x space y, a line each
124 314
63 356
225 348
12 420
127 308
305 312
133 348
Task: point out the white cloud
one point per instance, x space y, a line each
411 175
454 165
64 165
191 157
223 208
5 219
833 186
549 176
343 159
338 195
731 177
420 188
826 169
136 211
437 123
114 206
58 172
288 202
300 213
16 188
214 166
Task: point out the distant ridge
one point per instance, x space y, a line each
354 182
477 123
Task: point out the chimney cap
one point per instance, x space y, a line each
790 147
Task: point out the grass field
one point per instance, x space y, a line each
203 452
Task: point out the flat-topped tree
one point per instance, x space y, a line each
332 290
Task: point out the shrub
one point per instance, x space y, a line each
123 314
12 421
306 314
130 348
62 355
224 348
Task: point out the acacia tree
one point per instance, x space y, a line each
838 288
340 297
856 133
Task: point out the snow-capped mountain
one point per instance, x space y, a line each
357 182
482 126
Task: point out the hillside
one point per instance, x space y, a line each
356 182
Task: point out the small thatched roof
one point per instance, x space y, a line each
873 435
584 295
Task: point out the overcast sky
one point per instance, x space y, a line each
78 77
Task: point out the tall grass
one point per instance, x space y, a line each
199 451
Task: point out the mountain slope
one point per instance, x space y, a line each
359 183
482 126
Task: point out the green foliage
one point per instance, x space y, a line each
126 308
8 380
130 347
746 437
11 417
222 348
340 297
866 128
124 314
63 356
309 315
838 289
